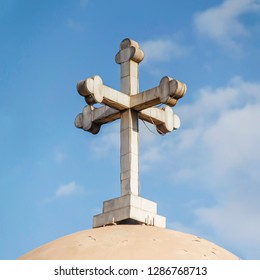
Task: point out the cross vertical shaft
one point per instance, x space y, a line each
129 162
129 57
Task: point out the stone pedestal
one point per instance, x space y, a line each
129 209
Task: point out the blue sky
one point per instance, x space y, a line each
205 176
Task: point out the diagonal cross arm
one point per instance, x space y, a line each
163 118
168 92
95 91
92 118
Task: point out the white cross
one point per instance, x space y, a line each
129 105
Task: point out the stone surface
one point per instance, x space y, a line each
129 105
127 209
129 242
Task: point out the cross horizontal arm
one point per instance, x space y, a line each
95 92
92 118
164 119
168 92
145 99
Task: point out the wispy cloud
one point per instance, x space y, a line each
217 152
223 24
235 221
66 190
220 139
161 50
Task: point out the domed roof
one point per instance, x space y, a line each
132 242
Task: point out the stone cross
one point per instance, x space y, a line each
129 105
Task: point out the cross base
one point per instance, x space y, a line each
129 209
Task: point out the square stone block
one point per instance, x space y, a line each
129 213
129 207
129 200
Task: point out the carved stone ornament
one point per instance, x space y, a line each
129 106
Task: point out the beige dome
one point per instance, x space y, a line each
132 242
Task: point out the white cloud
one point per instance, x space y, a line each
220 141
217 153
210 103
228 160
66 190
161 50
234 138
222 23
235 221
